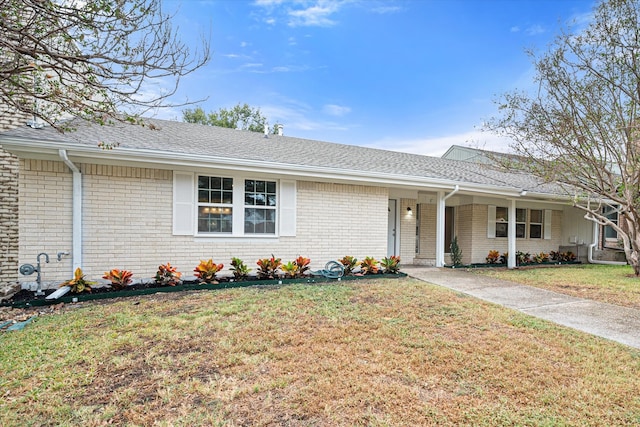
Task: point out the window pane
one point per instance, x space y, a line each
216 197
216 183
271 200
501 229
203 196
227 184
260 186
535 231
214 220
259 221
521 215
249 186
502 214
227 197
535 216
271 187
203 182
520 230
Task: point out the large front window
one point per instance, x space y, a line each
255 202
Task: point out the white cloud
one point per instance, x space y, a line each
336 110
314 16
534 30
515 29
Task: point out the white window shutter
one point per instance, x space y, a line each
183 203
547 223
491 222
287 208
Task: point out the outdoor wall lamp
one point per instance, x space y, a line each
409 209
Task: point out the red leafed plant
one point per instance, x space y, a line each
167 275
206 271
349 263
369 265
78 284
268 267
119 278
303 265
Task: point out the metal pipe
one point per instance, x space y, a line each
77 212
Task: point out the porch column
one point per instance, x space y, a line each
440 249
511 262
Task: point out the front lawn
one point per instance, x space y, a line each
615 284
380 353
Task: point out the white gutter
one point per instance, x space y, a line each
440 249
76 254
596 236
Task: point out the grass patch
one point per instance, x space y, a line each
615 284
386 352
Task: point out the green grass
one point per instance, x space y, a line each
607 283
379 353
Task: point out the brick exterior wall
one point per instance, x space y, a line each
9 201
407 230
127 223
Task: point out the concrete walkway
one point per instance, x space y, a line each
609 321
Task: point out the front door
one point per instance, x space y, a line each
392 235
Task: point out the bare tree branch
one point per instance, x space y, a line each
90 59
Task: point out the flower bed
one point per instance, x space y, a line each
27 298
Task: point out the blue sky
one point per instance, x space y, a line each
406 75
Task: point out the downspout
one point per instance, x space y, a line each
440 225
596 237
76 235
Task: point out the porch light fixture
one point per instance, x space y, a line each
409 209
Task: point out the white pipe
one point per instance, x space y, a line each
454 191
76 236
596 236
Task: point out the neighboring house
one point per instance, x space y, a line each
607 247
177 192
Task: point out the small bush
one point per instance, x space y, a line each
206 271
167 275
390 265
540 258
349 263
522 257
239 269
78 284
268 267
455 252
119 279
369 266
493 257
303 265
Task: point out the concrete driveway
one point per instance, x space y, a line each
608 321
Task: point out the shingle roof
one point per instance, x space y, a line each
211 142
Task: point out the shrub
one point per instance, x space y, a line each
504 258
562 256
349 263
119 279
290 269
206 271
390 265
167 275
303 265
522 257
78 284
239 269
268 267
541 257
369 265
455 252
493 257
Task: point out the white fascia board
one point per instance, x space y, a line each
82 153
